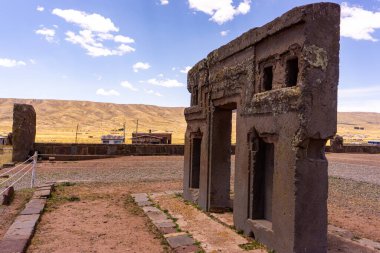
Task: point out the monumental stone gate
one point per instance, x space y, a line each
281 79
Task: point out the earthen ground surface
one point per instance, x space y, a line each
353 205
98 218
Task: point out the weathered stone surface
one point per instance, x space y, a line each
144 203
35 206
187 249
151 209
156 216
336 144
23 131
140 197
167 230
8 196
281 80
179 241
13 245
165 224
42 193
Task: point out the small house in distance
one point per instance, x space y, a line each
151 138
113 139
3 140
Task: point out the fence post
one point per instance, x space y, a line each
34 165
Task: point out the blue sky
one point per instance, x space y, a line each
138 51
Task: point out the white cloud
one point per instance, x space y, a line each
358 23
104 92
140 66
48 34
224 33
185 70
128 85
32 61
123 39
40 8
174 68
168 83
10 63
93 22
152 92
164 2
87 40
220 11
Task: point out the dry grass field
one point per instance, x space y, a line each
57 121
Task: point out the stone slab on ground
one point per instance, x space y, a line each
35 206
19 234
144 203
213 236
13 245
140 197
180 241
42 193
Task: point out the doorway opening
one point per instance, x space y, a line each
195 162
222 158
262 162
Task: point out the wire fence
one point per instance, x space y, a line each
15 174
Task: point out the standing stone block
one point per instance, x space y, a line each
23 131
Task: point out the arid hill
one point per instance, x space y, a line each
57 120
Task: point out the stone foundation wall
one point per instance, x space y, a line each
71 151
370 149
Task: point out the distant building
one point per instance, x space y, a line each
4 140
113 139
374 142
151 138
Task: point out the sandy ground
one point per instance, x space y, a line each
353 204
98 218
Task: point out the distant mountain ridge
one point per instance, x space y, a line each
57 120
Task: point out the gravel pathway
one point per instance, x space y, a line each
360 173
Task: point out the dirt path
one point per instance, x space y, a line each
98 218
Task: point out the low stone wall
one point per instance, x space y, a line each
71 151
370 149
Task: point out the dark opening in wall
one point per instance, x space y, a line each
268 78
195 162
263 181
291 72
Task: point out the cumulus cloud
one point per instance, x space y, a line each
128 85
48 34
358 23
164 2
93 22
224 33
168 83
40 8
11 63
185 70
104 92
152 92
140 66
95 31
220 11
